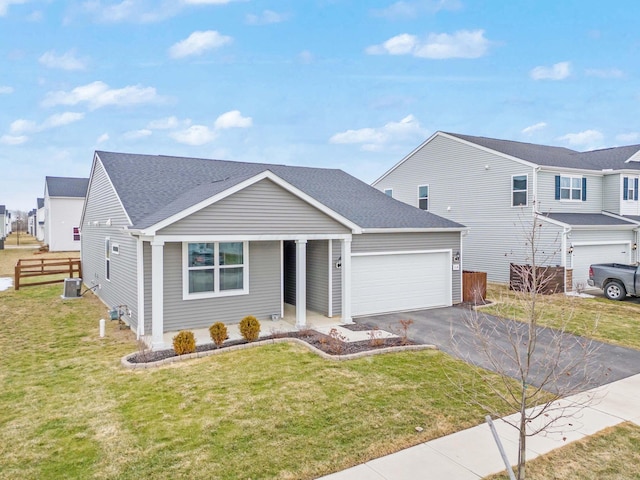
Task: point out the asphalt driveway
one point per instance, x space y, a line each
448 328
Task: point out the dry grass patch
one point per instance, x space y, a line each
592 458
598 318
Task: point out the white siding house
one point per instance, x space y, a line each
63 203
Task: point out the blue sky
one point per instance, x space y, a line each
348 84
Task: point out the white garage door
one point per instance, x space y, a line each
585 255
398 282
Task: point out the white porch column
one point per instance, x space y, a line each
346 280
157 294
301 283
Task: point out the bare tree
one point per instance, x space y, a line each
546 364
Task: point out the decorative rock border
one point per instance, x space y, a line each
180 358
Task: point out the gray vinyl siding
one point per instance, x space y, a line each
547 191
611 195
262 208
102 205
473 187
318 276
336 278
385 242
262 301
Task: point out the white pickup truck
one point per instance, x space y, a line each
615 279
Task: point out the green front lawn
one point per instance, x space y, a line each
597 318
279 411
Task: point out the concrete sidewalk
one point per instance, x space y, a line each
472 453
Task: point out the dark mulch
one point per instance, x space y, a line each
326 343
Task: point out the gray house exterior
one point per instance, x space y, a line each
186 242
586 203
63 203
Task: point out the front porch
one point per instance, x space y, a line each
285 324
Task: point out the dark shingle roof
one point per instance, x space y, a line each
587 219
67 186
40 202
608 158
155 187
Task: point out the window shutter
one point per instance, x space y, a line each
584 189
635 189
625 188
557 187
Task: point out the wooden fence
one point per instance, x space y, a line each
38 267
474 287
551 279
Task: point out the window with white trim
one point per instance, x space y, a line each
518 190
215 269
76 234
630 188
570 188
107 258
388 192
423 197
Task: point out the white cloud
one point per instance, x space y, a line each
461 44
232 119
373 139
630 137
266 17
103 138
194 135
587 139
412 9
165 123
558 71
306 57
56 120
66 61
5 4
98 94
13 139
135 134
5 90
140 11
199 42
534 128
610 73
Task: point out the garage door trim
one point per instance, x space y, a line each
596 244
400 252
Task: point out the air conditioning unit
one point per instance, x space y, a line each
72 287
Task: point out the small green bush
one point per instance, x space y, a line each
184 342
218 333
250 328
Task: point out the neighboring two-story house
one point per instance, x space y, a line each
3 222
586 202
63 202
40 219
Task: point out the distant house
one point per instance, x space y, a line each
186 242
4 220
586 202
40 220
31 222
63 202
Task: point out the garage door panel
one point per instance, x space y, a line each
586 255
397 282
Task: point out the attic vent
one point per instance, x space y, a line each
72 288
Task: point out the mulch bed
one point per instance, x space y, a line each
322 342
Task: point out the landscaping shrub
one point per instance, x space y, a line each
218 333
184 342
250 328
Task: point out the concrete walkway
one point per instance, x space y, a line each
472 454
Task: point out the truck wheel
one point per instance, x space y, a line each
614 290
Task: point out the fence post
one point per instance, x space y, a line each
16 275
